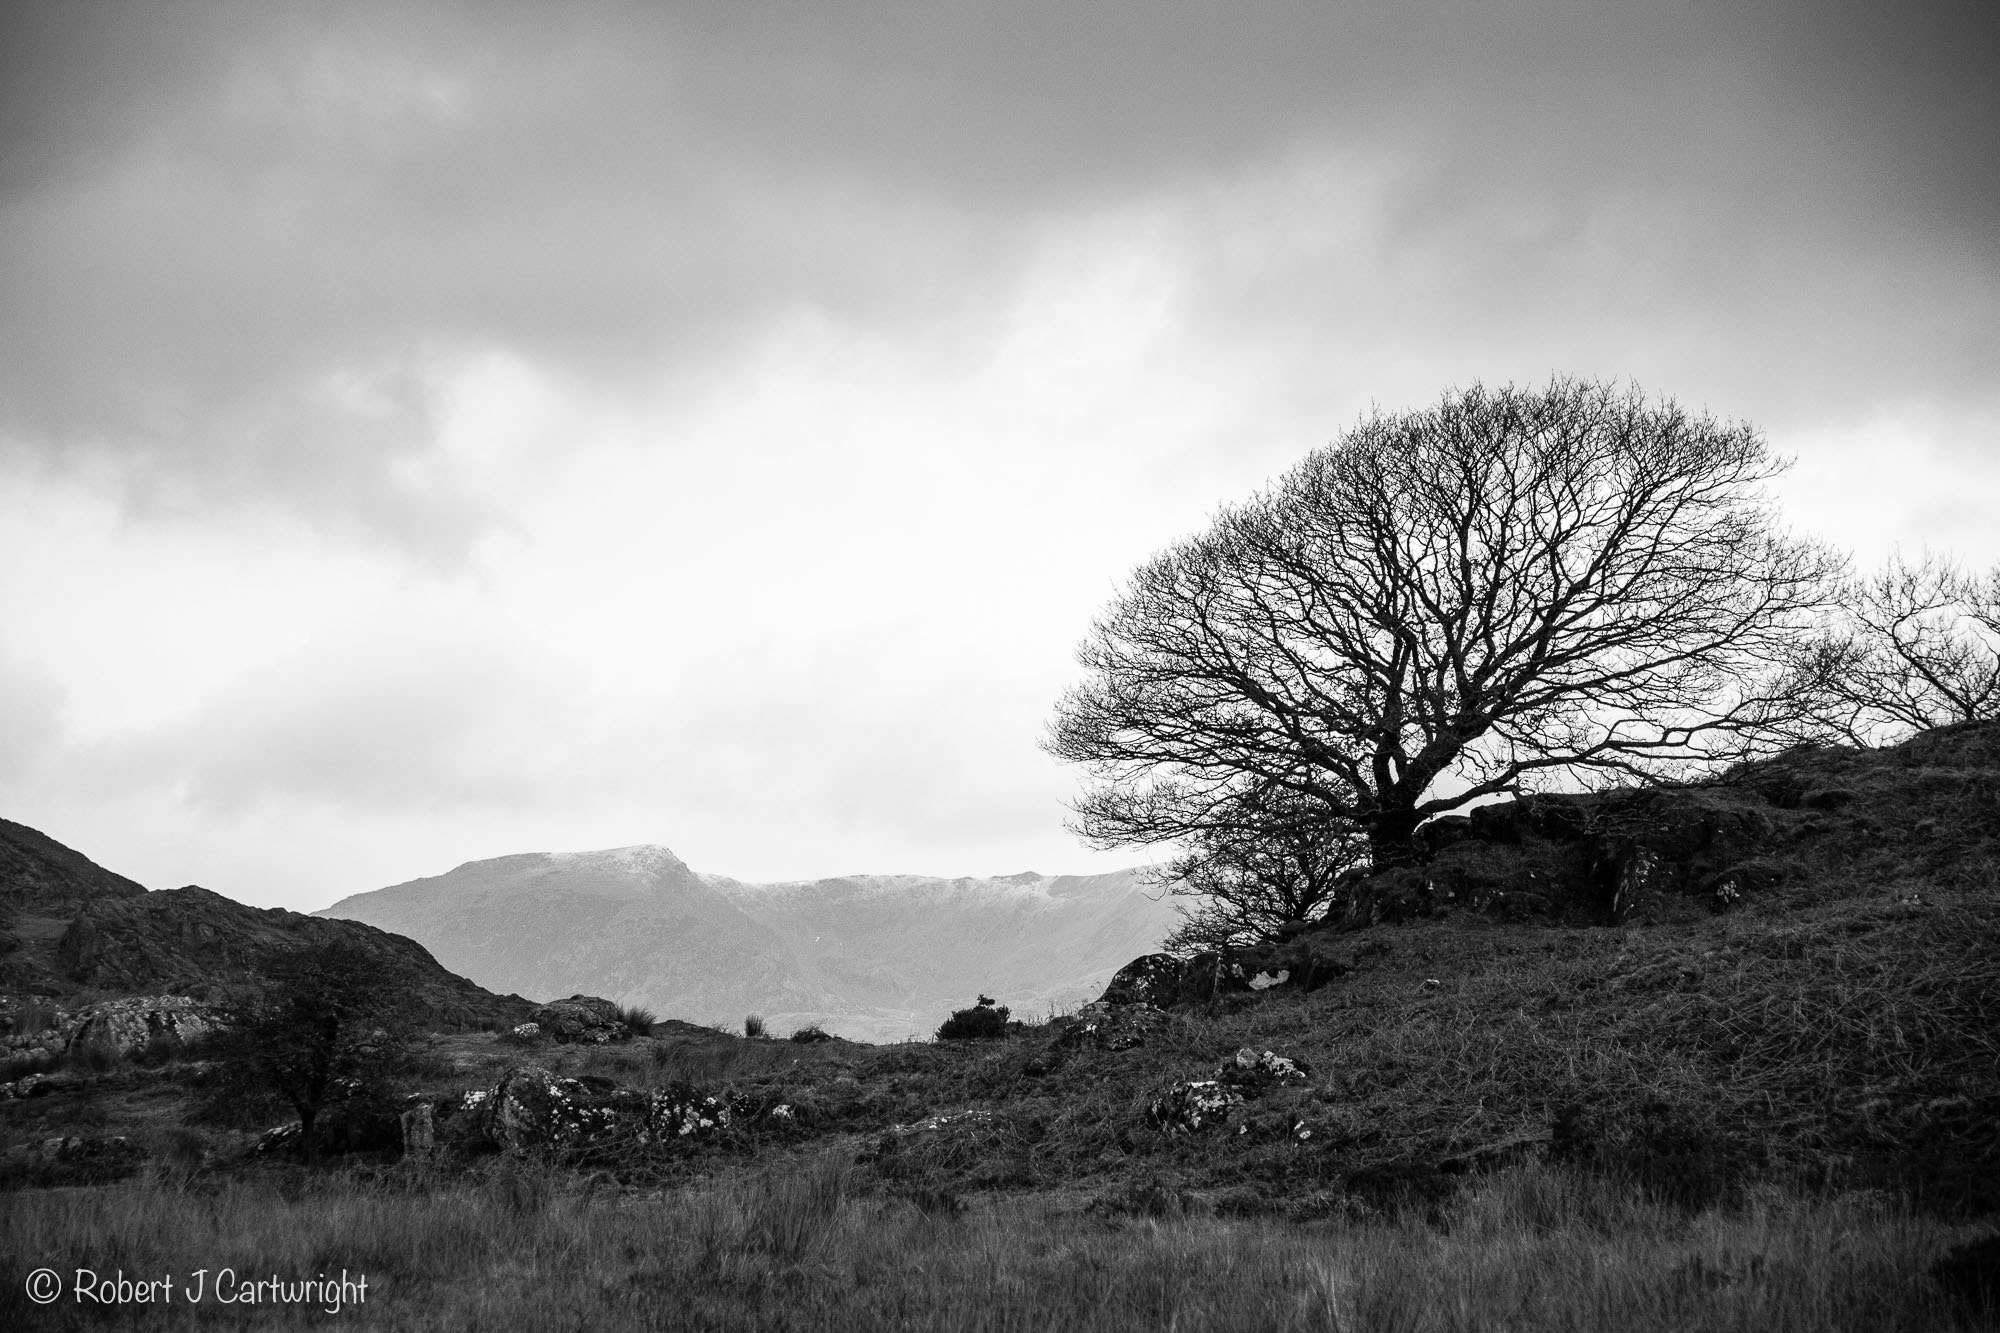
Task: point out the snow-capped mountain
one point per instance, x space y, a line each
873 957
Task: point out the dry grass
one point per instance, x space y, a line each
797 1246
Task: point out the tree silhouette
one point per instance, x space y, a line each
1505 588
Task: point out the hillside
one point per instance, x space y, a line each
71 931
1720 1055
872 957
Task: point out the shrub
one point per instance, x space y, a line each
982 1022
637 1019
753 1026
812 1032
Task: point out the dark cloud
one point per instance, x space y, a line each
243 246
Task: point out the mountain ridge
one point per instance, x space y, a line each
873 956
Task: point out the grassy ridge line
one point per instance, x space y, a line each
795 1246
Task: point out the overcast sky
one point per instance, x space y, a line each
429 432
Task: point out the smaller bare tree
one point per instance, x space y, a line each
1276 863
1916 646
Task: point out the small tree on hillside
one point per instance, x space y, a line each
1278 865
322 1027
1915 646
1444 606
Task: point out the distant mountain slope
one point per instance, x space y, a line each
36 871
875 957
68 926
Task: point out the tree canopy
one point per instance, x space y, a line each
1445 605
1916 645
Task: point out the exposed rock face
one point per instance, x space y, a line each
1650 854
584 1019
1680 851
116 1027
133 1024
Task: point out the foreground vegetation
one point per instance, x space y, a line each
805 1244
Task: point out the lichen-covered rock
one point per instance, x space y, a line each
525 1032
1110 1027
1155 978
1198 1104
1193 1105
1249 1070
683 1112
533 1108
587 1019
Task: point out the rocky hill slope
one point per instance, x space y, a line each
72 931
871 957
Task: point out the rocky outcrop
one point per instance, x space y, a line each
1110 1027
137 1023
583 1019
114 1028
531 1109
1305 962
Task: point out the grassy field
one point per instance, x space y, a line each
1774 1117
803 1245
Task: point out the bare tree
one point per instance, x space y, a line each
1278 864
1916 646
1490 594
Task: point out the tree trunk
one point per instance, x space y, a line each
1392 837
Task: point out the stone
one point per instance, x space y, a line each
585 1019
1154 978
1193 1105
1109 1027
1249 1070
419 1131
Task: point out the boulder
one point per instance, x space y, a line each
586 1019
533 1108
1305 961
1155 978
1109 1027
